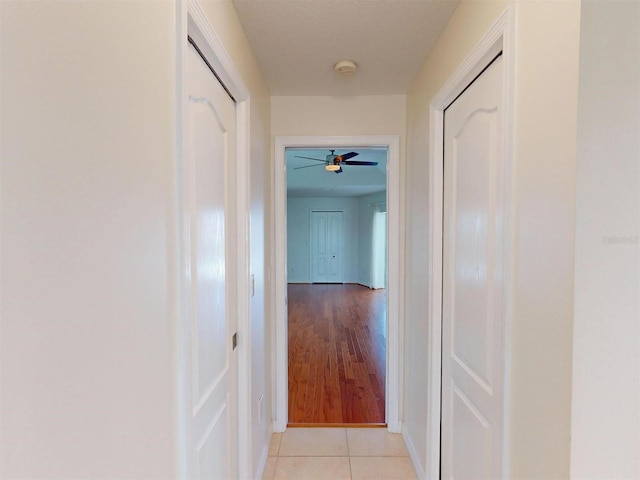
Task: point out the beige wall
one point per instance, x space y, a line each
365 115
541 327
225 22
546 47
88 240
467 25
605 427
89 256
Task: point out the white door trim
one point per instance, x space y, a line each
395 232
500 37
191 20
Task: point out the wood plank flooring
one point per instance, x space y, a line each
337 361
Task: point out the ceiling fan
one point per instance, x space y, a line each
333 162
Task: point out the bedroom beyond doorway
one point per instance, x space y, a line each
337 354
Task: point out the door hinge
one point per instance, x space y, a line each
234 340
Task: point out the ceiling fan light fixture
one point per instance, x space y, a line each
332 168
345 67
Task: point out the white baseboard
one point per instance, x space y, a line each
262 463
413 454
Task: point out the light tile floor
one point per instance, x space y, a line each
338 453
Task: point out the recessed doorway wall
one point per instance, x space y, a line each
393 364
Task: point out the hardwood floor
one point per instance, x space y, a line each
337 344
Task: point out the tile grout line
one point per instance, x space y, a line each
381 455
346 435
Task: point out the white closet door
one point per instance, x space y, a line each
211 127
473 327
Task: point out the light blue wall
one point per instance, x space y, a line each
298 235
357 236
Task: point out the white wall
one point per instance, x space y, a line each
88 240
605 427
546 77
224 19
89 272
299 234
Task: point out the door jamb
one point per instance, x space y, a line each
395 271
500 37
192 20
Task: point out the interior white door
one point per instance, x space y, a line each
211 149
473 282
326 247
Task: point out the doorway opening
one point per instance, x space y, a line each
336 320
347 291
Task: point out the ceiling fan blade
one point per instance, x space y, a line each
309 158
347 156
359 162
308 166
339 171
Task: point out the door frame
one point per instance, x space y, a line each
311 212
395 271
500 37
191 20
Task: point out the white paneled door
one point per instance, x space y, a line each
211 138
326 247
473 346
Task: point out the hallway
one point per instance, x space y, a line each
338 453
111 357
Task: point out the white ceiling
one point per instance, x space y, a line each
355 180
297 42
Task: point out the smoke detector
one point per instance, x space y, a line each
345 67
